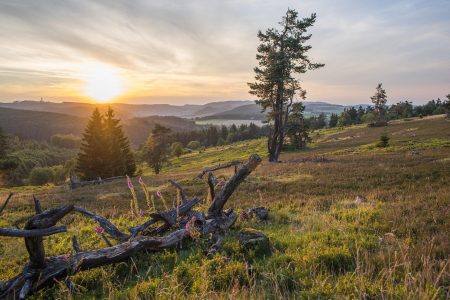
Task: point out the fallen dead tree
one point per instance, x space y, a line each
175 225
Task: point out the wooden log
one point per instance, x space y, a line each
222 196
59 267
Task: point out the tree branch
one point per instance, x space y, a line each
6 202
222 196
211 169
32 232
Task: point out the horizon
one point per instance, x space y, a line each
193 53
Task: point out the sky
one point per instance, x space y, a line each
182 51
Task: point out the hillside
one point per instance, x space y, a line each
253 111
126 111
42 125
323 245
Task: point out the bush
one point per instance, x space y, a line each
194 145
384 140
41 175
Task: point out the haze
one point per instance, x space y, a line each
181 52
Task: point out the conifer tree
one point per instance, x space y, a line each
157 148
296 127
120 158
379 100
282 54
92 158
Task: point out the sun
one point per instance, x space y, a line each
103 83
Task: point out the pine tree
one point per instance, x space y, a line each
333 120
157 148
379 100
281 55
120 158
92 158
296 128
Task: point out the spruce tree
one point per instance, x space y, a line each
120 158
379 100
296 127
282 54
92 158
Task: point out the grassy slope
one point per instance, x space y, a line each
396 246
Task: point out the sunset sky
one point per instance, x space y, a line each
181 51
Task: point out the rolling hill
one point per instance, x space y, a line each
41 125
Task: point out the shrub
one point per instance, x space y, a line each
384 140
194 145
177 150
41 175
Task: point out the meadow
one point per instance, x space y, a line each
394 246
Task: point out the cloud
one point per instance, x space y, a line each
196 51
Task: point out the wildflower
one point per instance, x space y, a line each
141 212
158 193
65 257
140 180
99 230
220 183
134 206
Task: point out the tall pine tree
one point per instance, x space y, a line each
379 100
282 54
104 151
120 158
91 162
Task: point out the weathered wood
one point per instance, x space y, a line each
13 232
222 196
170 216
37 205
34 244
212 181
212 169
109 227
180 189
6 202
42 272
75 244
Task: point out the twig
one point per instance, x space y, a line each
6 202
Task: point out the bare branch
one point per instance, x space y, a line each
32 232
6 202
180 189
109 227
37 205
75 244
221 198
211 169
212 181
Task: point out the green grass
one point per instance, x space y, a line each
395 246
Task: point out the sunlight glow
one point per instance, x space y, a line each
103 83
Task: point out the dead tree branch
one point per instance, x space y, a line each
6 202
44 271
212 169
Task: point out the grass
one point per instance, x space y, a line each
394 246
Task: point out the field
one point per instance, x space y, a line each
394 246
